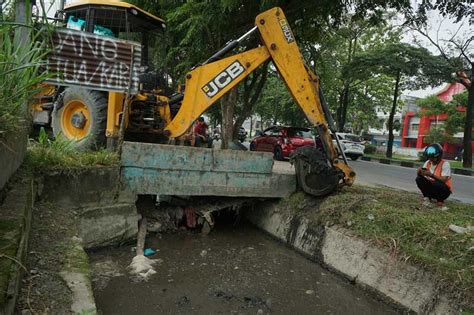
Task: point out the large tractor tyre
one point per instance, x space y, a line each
81 115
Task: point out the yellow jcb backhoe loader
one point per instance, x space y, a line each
78 111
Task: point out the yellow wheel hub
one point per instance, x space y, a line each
75 120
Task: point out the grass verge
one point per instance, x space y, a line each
396 157
60 153
396 221
40 159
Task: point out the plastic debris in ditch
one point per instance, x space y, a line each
142 267
149 252
191 217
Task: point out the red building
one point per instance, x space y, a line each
415 126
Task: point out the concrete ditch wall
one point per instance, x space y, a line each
404 285
12 153
105 214
102 215
15 221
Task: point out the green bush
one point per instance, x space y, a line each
370 149
21 72
421 156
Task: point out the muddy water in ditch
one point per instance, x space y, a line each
231 271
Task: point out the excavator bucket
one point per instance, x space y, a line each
314 173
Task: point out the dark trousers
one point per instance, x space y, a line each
199 141
434 190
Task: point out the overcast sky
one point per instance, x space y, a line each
443 29
446 27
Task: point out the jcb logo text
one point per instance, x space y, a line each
223 79
286 31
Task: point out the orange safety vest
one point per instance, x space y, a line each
437 172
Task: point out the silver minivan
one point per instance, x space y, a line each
351 144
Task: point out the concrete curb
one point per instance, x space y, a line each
414 164
78 279
404 285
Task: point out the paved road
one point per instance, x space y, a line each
373 173
404 178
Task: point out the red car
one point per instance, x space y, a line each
282 140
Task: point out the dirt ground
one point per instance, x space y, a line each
43 291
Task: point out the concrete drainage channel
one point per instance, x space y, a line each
404 285
234 269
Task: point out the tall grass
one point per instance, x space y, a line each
21 72
45 154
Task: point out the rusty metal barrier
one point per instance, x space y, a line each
93 61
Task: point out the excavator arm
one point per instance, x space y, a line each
317 173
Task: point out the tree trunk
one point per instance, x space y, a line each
252 90
344 106
344 100
467 156
339 110
228 105
251 126
392 115
275 111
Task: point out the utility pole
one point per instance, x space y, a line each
23 17
61 5
21 39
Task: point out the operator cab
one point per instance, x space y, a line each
115 19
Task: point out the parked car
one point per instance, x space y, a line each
242 134
216 134
351 145
282 141
459 155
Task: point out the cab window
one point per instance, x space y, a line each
276 132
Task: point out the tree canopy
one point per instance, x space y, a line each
411 67
330 34
432 105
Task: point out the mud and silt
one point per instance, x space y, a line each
233 270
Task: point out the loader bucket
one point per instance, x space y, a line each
314 173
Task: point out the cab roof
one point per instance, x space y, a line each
141 14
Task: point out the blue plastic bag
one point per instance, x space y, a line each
104 31
75 24
149 252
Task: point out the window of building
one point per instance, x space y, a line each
435 123
414 127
